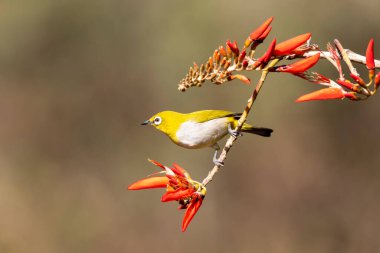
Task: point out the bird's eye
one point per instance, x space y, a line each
157 121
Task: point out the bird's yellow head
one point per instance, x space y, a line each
167 122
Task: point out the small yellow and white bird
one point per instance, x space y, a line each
201 128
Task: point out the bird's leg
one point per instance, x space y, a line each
233 132
215 159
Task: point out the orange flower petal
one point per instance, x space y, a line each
299 66
150 182
370 56
268 54
288 46
323 94
177 194
191 210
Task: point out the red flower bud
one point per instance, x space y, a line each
192 209
351 96
323 94
299 66
234 47
370 56
358 80
245 64
177 194
262 29
242 56
268 54
264 35
288 46
346 84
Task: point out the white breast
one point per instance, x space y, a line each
197 135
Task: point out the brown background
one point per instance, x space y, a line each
78 77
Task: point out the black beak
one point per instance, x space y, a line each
145 122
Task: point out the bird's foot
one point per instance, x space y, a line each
233 132
216 161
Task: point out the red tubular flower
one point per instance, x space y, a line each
245 64
177 194
234 47
370 59
179 187
264 35
149 183
323 94
288 46
242 56
370 55
347 85
260 33
299 66
268 54
358 80
191 210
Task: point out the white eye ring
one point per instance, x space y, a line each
157 120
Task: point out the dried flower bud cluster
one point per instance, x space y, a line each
229 59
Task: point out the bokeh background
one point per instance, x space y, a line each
77 78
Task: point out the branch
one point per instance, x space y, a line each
241 121
355 57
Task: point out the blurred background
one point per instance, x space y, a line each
77 78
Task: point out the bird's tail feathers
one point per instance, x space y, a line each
262 131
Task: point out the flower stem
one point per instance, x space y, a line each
241 121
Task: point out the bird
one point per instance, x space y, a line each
201 129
